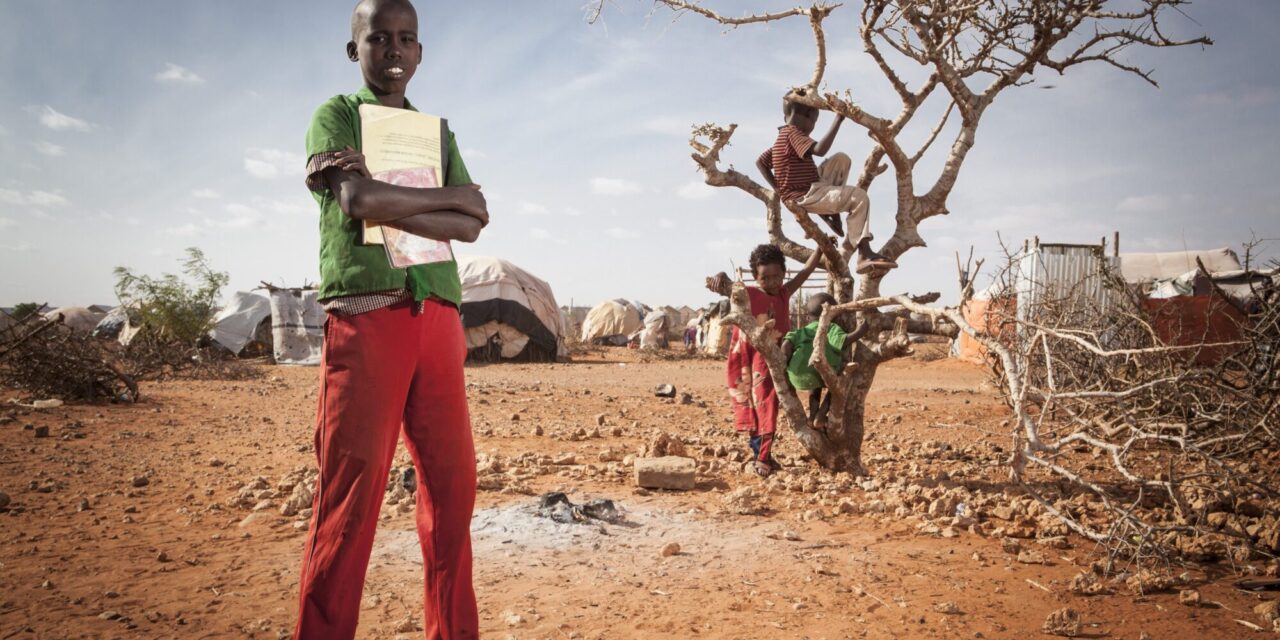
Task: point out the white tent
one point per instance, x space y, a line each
508 312
1138 268
78 318
297 326
654 333
237 323
612 321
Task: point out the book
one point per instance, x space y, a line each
405 148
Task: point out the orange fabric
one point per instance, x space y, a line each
385 374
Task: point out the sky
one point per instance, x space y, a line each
130 131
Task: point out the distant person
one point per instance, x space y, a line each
797 347
751 390
789 168
393 353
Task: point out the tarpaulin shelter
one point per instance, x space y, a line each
245 318
613 321
78 318
508 313
297 326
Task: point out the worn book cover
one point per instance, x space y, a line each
404 148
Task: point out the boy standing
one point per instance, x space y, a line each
797 347
789 168
393 353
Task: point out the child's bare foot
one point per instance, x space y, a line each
761 468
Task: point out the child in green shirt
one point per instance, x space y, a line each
797 347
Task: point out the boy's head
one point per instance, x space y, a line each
814 306
384 40
802 117
769 267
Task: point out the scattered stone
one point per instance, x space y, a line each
744 500
513 619
1087 583
4 500
1189 598
1269 611
565 459
46 585
537 430
1011 546
408 625
948 607
109 615
139 481
1145 582
600 420
42 431
662 444
669 472
162 557
671 549
515 417
83 505
665 391
1032 557
1063 622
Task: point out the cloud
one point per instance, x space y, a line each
185 231
572 212
542 234
205 194
613 187
753 223
531 209
471 152
618 233
16 247
48 148
1145 203
175 74
272 163
696 191
7 222
729 245
34 198
668 126
56 120
132 221
666 223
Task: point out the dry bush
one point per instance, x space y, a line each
48 359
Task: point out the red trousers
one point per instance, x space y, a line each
381 370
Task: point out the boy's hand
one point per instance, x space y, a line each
471 201
720 283
351 160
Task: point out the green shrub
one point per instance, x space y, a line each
170 309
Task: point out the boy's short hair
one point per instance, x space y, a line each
789 106
766 254
814 305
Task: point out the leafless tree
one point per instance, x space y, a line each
971 51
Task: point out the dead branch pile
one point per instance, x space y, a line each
48 359
1153 449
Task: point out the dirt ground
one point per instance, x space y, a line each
131 521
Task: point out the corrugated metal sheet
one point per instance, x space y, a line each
1065 273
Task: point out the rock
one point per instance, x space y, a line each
263 505
139 481
1087 583
513 619
1032 557
1009 545
537 430
1269 611
515 417
600 420
948 607
669 472
109 615
1063 622
254 518
662 444
216 462
670 549
42 431
300 499
1189 597
1145 582
4 500
565 459
162 557
744 500
408 625
665 391
686 398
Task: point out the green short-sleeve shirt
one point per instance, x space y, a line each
801 374
348 267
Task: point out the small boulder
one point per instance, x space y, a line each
668 472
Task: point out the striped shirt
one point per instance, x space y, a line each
792 161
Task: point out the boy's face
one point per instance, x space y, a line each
769 277
385 43
803 118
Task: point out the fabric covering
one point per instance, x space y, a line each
78 318
236 323
610 319
654 333
511 309
297 326
1145 267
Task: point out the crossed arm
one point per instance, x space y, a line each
443 213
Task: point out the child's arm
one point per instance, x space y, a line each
443 213
720 284
794 285
824 145
788 350
765 164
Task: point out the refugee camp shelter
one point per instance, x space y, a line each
297 325
246 318
509 313
80 319
613 322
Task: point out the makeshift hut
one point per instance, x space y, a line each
297 326
654 334
508 313
613 322
245 319
80 319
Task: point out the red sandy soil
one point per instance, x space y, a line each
171 559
